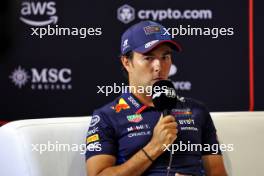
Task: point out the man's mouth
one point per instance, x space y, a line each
158 79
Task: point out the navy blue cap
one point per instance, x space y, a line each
144 36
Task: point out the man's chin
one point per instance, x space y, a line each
155 80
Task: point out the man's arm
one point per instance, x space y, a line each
104 164
214 165
165 132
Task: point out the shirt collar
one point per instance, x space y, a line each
134 103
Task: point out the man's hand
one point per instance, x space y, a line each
164 133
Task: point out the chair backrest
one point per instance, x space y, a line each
245 130
25 144
21 142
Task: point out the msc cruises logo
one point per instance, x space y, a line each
42 79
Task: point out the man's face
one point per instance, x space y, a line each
146 69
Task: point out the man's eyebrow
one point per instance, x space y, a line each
164 53
167 52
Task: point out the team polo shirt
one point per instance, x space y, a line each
124 126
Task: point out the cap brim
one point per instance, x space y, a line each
144 50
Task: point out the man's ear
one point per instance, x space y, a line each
126 63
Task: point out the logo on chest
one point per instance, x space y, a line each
139 130
187 122
122 105
187 113
135 118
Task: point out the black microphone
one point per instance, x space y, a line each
164 96
164 99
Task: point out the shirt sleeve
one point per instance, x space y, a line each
100 136
209 137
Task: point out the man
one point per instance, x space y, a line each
129 137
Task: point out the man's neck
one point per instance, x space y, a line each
144 99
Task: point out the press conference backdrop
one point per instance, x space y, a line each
59 75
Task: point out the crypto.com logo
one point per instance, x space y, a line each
42 79
33 12
126 13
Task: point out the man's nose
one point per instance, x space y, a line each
156 65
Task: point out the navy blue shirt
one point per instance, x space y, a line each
124 126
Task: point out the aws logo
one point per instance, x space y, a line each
38 13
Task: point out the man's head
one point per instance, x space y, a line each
147 53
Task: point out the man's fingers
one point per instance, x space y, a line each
161 117
171 131
177 174
168 119
171 137
171 125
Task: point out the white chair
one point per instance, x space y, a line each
19 158
245 131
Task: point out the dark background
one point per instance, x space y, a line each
218 69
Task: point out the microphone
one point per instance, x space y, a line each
164 96
164 99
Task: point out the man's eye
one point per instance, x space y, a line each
149 58
167 56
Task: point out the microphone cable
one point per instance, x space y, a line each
170 162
